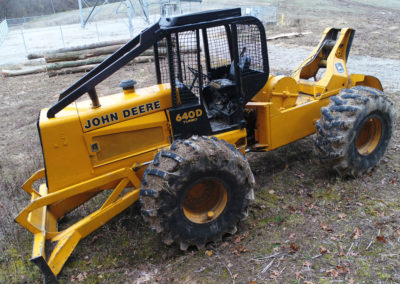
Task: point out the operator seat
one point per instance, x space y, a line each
220 94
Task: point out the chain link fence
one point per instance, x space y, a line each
39 34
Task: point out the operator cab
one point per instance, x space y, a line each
218 62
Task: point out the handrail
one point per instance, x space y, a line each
105 69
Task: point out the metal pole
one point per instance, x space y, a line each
62 36
145 9
52 5
23 38
130 8
81 13
97 32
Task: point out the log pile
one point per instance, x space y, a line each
70 60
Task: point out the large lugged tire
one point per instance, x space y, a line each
354 130
196 191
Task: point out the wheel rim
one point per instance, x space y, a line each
369 136
205 201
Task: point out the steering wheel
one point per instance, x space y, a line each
196 74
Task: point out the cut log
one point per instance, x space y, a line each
77 48
84 68
81 54
163 51
35 55
23 71
76 63
143 59
72 70
90 61
288 35
30 63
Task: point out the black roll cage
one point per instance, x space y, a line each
150 37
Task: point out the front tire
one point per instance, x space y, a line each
354 130
196 191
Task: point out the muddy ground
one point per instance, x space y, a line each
306 224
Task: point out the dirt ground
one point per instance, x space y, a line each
306 225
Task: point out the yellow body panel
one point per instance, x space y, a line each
69 161
120 107
288 107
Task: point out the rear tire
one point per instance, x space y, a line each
196 191
354 130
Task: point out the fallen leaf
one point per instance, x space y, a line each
252 282
308 282
274 274
81 276
299 275
341 269
234 276
342 215
323 250
342 253
224 244
95 238
307 264
292 237
239 238
326 227
332 273
293 248
381 239
357 233
209 252
241 249
235 250
271 191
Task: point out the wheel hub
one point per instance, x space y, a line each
205 201
369 136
